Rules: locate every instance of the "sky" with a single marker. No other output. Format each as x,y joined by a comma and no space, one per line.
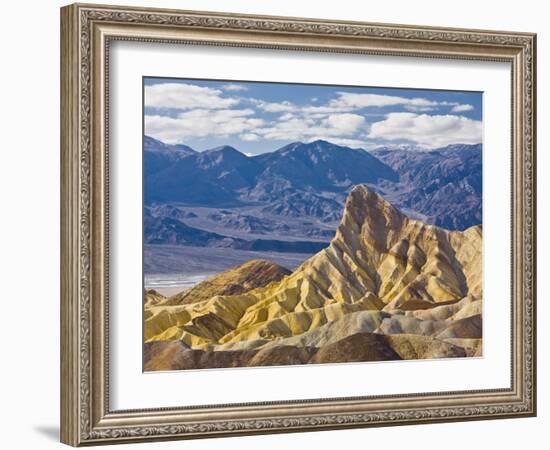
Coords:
259,117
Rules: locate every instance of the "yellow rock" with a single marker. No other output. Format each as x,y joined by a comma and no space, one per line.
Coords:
237,280
378,259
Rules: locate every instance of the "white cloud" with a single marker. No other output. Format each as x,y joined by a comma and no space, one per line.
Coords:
249,137
345,123
413,108
186,96
294,129
335,127
287,116
275,107
201,123
349,102
355,101
429,131
316,115
234,87
323,110
207,112
462,108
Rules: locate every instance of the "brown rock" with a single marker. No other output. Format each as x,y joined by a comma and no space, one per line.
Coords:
410,346
152,297
238,280
357,347
283,355
163,355
471,327
419,275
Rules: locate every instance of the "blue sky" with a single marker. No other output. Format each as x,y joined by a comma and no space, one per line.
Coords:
257,117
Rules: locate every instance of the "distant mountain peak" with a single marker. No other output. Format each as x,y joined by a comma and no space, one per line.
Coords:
441,186
155,146
223,149
461,147
321,142
416,148
149,139
293,144
184,148
402,147
315,146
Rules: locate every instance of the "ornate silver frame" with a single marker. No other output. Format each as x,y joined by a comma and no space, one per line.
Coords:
86,32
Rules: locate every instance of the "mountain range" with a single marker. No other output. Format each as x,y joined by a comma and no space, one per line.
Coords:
386,287
444,185
168,230
263,194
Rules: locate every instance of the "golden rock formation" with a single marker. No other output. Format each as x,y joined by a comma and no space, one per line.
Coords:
250,275
404,276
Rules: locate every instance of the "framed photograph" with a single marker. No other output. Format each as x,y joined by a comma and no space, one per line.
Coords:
278,224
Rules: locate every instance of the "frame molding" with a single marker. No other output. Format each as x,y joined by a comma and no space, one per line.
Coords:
86,32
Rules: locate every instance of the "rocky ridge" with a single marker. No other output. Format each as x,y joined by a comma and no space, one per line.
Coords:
397,286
